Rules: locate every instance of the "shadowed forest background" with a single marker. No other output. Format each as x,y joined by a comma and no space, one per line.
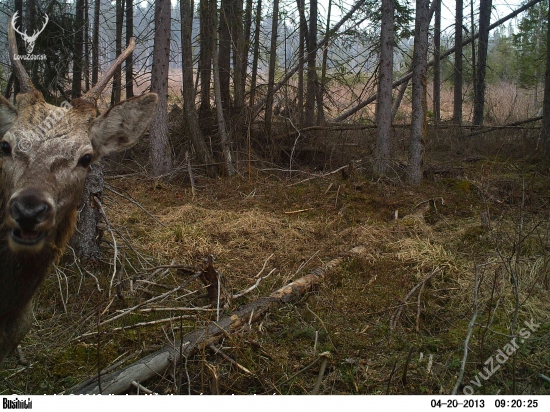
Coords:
391,164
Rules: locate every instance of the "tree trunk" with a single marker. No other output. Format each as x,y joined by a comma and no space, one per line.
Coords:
321,109
271,74
117,78
87,45
239,76
256,54
191,116
95,43
545,132
222,129
207,9
437,63
85,241
420,65
160,153
398,99
247,43
457,102
18,5
78,49
225,53
483,43
129,67
301,60
384,107
311,46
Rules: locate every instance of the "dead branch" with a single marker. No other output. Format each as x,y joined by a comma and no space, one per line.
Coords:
156,363
395,317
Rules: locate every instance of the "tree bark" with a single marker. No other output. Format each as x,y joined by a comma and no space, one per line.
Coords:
420,65
78,49
95,43
160,152
545,131
87,45
207,9
256,54
322,83
483,43
437,63
457,101
129,67
117,78
272,62
384,107
311,46
191,116
85,241
224,54
239,75
301,60
222,128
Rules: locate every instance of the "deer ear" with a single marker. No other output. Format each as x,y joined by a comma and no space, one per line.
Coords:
122,125
8,114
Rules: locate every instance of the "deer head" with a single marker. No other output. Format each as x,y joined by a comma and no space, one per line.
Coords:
47,150
29,40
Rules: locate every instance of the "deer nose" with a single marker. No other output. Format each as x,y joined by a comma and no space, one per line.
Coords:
29,210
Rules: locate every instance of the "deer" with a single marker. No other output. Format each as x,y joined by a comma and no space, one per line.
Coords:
29,40
43,176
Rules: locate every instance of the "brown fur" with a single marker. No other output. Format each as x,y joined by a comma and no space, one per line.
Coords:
45,159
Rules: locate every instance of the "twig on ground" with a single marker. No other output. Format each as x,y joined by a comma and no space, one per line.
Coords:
135,202
468,336
325,356
254,286
218,351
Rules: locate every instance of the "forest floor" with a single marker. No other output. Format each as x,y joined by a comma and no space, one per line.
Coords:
473,238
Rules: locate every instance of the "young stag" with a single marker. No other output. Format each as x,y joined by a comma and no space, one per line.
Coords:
46,153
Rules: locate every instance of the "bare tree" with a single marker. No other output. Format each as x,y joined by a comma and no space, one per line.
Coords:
420,65
272,61
437,62
222,129
206,13
95,42
479,85
224,54
301,60
545,132
457,102
191,116
117,78
160,152
78,48
322,85
255,54
129,68
384,107
311,46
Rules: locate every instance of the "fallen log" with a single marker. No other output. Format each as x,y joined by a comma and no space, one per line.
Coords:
158,362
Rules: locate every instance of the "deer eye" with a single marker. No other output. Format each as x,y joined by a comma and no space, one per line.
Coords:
85,160
6,148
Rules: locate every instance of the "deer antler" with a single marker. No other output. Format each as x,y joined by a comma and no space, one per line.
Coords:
93,94
13,19
24,79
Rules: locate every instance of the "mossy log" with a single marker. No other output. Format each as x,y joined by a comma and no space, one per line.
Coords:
157,363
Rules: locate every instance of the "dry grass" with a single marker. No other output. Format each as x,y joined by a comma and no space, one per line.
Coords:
243,223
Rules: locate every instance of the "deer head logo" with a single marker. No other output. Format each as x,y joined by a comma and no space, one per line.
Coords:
29,40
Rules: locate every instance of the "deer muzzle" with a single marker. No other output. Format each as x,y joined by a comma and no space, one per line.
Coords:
30,215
